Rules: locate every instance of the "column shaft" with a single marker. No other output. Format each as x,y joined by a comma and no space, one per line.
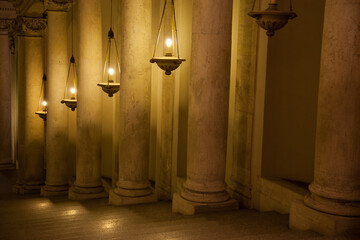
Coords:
31,127
242,125
337,154
5,104
133,185
336,186
56,128
88,144
208,109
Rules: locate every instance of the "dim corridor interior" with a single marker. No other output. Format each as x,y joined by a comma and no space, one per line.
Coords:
33,217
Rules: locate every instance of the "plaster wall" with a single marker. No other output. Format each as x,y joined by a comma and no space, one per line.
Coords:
292,78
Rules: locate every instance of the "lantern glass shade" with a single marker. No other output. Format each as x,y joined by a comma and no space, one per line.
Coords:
70,93
167,40
110,83
42,105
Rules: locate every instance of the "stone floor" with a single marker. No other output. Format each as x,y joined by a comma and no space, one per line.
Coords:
35,218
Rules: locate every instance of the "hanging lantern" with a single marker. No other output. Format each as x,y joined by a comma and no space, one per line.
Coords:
70,99
111,75
171,59
272,19
70,92
42,106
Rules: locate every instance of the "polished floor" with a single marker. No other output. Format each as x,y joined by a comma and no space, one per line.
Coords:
35,218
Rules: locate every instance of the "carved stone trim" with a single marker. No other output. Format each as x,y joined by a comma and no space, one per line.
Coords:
12,45
31,26
5,25
58,5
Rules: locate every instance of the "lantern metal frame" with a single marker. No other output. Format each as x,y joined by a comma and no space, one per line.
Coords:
272,19
42,111
169,62
108,85
72,101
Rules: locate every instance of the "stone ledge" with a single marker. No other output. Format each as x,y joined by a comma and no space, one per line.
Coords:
186,207
118,200
305,218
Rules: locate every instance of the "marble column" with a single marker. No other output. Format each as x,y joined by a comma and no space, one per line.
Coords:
56,123
333,205
133,185
5,98
31,127
165,127
88,183
242,125
205,188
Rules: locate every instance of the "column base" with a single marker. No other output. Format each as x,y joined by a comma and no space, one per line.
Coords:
240,193
7,166
305,218
118,200
26,189
53,191
186,207
81,193
16,188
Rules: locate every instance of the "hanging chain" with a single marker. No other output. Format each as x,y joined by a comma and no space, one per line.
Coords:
72,30
110,13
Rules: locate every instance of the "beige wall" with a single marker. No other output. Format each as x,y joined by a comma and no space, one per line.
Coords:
291,94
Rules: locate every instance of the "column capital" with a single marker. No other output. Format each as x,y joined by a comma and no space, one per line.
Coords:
57,5
8,14
30,26
5,25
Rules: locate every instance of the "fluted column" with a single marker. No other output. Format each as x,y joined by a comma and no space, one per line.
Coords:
333,205
31,127
88,144
5,98
133,185
204,188
56,123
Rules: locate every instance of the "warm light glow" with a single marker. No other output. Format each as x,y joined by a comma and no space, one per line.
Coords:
70,212
43,204
168,42
111,71
44,103
108,224
73,90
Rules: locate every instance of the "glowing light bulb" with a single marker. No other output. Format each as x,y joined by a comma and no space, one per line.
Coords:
111,71
168,42
73,90
44,103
